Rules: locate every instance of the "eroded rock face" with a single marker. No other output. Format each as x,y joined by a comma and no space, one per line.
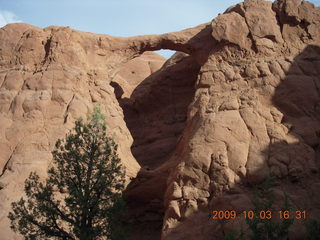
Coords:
50,77
211,123
255,111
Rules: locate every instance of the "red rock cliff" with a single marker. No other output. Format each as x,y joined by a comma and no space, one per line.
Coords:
240,99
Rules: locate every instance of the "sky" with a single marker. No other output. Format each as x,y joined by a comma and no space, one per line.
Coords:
115,17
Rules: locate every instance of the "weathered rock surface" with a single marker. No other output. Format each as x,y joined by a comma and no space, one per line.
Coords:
50,77
255,111
241,101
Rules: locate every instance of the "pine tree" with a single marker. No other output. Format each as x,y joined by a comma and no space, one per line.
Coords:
82,196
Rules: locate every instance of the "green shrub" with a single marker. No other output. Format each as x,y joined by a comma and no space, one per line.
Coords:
265,229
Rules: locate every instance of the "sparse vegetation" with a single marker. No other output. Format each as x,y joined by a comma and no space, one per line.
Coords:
264,200
313,230
233,235
265,229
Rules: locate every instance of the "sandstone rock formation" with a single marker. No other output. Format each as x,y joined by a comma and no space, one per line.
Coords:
255,110
49,78
196,133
